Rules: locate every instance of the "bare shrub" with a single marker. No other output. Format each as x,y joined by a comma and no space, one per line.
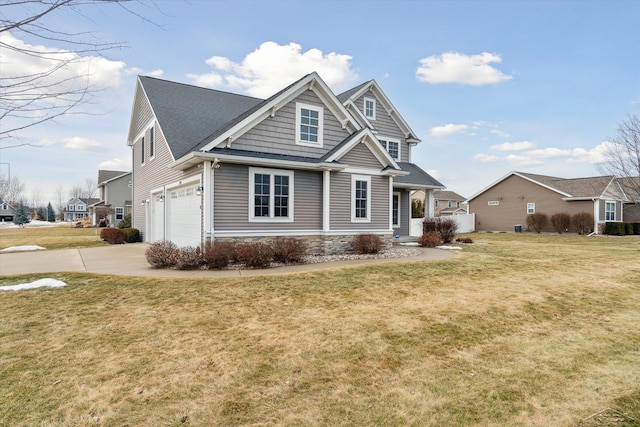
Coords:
218,255
187,258
561,222
537,221
159,254
430,239
464,240
366,244
582,222
113,236
255,254
447,228
288,249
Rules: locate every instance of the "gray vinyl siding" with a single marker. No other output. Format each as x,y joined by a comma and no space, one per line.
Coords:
278,134
153,174
231,201
385,125
143,111
361,156
405,212
341,203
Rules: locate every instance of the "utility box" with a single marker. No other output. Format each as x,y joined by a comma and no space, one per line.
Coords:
518,228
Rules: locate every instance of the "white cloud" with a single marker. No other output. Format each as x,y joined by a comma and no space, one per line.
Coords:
75,73
447,130
485,158
514,146
500,133
453,67
82,144
139,71
117,163
523,160
271,67
593,156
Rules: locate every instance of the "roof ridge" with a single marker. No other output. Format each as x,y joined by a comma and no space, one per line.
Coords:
199,87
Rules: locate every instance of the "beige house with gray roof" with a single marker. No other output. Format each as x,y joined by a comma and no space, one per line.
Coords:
506,203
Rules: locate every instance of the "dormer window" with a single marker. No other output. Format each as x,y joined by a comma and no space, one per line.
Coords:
309,123
370,108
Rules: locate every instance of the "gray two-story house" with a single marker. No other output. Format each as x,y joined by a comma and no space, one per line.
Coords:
115,189
77,208
304,162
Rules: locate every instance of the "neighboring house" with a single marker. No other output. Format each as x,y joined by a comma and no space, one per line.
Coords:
209,164
506,203
77,208
631,188
449,203
115,197
7,211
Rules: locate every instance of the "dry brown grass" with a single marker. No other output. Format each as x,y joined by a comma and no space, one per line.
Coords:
55,237
518,330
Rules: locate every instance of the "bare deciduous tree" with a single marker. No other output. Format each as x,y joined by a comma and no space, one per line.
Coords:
11,190
622,157
59,78
84,191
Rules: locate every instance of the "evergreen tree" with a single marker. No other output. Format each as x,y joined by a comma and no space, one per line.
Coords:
22,216
51,215
41,214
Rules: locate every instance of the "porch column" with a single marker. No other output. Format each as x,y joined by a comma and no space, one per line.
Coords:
428,204
207,199
326,200
596,215
391,203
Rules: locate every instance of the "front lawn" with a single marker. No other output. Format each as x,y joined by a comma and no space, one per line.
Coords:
58,236
539,330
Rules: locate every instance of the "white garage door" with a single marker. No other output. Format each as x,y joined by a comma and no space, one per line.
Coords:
183,216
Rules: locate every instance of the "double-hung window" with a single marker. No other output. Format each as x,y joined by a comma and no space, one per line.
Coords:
270,195
119,213
392,147
370,108
531,208
610,211
309,125
360,198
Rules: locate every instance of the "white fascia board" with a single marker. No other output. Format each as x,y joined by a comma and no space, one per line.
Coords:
361,118
543,185
389,108
416,186
311,82
195,158
367,137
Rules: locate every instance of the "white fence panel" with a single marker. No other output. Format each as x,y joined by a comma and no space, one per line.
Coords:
466,224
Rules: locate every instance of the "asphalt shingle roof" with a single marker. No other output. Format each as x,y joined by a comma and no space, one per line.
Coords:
416,176
189,114
575,187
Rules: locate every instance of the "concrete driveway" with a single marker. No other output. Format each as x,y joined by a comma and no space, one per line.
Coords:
129,260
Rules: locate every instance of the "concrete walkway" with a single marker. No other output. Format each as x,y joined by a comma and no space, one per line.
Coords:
129,260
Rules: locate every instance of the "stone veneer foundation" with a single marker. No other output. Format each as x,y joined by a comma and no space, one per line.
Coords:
317,245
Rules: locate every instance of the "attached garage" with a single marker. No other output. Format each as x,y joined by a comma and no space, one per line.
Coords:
183,215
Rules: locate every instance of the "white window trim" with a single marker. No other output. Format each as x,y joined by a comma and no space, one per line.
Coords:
152,142
397,193
121,212
615,208
531,208
143,152
252,190
355,178
386,146
320,110
364,108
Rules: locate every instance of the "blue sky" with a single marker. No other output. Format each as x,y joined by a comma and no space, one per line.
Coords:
489,87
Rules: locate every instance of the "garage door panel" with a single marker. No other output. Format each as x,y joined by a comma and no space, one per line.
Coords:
183,216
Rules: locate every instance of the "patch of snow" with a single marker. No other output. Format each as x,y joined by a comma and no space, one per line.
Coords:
409,244
22,248
452,248
42,283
